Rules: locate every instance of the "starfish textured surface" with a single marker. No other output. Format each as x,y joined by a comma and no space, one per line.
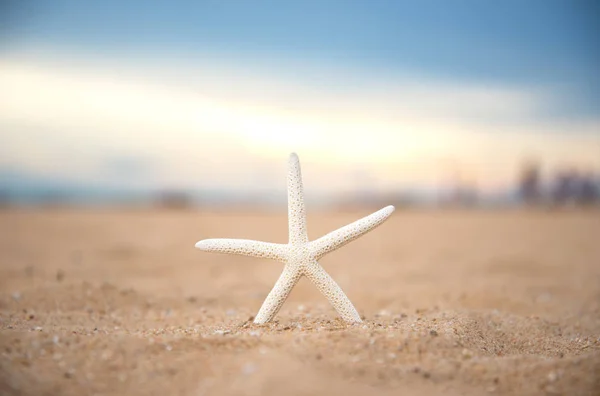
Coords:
299,255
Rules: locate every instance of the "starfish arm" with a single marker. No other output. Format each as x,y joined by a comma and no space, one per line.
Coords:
346,234
284,285
330,289
245,247
296,209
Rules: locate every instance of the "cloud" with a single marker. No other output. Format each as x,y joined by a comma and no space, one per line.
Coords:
201,121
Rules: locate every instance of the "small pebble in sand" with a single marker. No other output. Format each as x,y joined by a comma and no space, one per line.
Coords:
255,333
60,275
552,376
249,368
16,296
433,333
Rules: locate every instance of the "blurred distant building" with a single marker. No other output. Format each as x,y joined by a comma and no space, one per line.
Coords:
173,200
563,190
571,187
530,183
588,189
462,193
464,196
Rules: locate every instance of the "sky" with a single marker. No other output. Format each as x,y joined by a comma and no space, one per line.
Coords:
375,95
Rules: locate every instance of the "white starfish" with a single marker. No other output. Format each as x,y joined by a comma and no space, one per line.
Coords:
299,255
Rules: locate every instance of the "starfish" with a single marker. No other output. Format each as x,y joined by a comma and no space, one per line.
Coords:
299,255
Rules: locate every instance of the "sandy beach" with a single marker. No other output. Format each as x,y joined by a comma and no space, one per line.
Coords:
119,302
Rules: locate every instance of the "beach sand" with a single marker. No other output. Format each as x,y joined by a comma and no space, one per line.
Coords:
119,302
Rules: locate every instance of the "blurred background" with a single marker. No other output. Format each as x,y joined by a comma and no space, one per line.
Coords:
199,103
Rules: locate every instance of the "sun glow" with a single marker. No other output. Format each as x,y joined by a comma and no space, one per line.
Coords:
400,134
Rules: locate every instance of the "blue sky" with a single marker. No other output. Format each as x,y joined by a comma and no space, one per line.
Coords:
537,55
530,42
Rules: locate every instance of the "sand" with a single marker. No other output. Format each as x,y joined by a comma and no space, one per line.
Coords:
118,302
